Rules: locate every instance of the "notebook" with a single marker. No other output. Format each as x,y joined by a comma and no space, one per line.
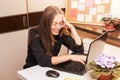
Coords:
95,49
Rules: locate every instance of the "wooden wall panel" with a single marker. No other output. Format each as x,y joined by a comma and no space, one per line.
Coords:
13,23
19,22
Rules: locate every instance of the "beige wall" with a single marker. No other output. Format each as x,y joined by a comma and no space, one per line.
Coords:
12,7
13,49
39,5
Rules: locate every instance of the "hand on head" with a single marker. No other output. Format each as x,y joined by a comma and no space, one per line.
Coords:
67,24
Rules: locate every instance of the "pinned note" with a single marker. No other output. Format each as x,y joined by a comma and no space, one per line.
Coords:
100,8
80,17
92,11
74,4
74,13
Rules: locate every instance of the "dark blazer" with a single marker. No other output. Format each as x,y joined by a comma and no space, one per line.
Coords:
36,54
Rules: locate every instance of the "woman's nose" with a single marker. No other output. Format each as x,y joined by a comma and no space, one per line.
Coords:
58,26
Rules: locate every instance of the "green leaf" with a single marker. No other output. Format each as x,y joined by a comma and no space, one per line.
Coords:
92,66
88,67
107,73
118,68
95,74
116,73
117,63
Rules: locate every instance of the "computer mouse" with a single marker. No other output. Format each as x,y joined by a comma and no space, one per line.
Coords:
52,73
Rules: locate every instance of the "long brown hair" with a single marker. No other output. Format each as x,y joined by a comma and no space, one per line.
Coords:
45,27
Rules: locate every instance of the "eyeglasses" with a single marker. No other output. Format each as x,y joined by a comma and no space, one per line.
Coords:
60,24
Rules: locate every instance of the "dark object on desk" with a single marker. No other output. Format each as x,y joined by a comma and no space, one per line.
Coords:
52,73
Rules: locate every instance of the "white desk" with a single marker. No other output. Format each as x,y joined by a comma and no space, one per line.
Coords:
39,73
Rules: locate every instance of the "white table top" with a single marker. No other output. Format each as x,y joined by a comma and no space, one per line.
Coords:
39,73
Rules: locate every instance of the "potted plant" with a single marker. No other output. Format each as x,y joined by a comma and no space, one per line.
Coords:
110,23
104,67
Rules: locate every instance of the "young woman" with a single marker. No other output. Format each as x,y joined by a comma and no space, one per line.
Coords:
52,32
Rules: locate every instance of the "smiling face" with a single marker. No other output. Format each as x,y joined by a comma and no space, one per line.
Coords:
57,24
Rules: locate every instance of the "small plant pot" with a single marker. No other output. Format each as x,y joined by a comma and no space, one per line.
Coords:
105,77
109,27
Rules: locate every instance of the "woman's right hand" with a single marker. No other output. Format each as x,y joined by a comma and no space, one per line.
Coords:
79,58
67,24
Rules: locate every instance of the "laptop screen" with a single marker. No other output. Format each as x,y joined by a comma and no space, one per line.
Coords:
96,47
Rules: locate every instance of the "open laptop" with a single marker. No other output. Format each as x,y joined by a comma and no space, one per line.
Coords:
95,49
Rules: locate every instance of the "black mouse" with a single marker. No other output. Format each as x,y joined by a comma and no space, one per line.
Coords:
52,73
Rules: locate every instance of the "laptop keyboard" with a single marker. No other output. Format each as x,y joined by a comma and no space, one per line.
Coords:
71,67
75,67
